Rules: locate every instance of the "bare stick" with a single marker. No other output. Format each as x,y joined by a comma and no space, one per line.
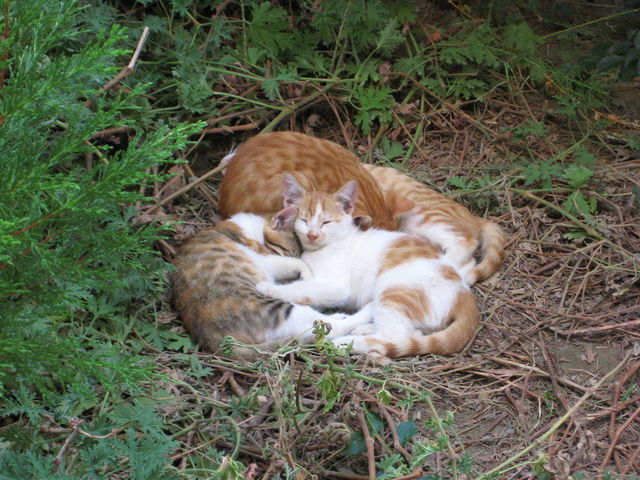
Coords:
63,449
184,189
614,434
128,70
368,440
136,53
296,106
615,439
394,431
231,129
630,323
590,231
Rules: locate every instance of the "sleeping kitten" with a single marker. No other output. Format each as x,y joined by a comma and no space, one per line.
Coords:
253,178
420,302
216,274
448,224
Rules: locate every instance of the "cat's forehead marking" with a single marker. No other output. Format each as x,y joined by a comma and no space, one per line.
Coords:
318,213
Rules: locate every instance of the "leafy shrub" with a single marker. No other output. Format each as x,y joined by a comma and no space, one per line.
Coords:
70,253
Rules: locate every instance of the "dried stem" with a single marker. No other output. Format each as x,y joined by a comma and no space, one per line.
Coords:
126,71
184,189
368,441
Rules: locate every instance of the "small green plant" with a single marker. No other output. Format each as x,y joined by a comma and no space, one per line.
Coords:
574,176
470,187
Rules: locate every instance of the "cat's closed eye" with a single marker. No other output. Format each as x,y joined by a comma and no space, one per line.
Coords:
327,221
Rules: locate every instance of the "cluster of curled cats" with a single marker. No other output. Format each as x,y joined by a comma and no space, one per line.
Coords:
310,229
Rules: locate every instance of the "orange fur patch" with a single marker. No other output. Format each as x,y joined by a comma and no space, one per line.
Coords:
406,249
413,303
433,208
449,274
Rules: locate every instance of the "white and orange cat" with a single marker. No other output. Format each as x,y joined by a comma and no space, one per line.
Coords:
448,224
420,302
393,200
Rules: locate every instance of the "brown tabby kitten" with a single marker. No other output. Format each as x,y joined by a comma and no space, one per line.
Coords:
254,176
448,224
216,274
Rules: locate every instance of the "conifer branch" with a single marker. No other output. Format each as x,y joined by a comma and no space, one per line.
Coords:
5,55
5,36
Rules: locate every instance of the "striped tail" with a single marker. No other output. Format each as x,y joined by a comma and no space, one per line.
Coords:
453,338
492,240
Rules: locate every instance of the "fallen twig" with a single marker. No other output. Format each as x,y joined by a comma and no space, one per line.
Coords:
183,190
126,71
589,230
604,328
368,441
614,441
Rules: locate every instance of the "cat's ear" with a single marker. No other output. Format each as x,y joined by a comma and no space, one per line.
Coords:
283,220
292,191
347,195
363,222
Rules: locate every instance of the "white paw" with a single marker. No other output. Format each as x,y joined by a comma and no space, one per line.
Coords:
266,288
366,329
305,271
343,341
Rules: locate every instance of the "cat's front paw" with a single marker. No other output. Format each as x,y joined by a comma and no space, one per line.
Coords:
366,329
267,289
294,269
305,272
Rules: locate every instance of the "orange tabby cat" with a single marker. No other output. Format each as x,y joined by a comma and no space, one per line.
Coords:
448,224
254,176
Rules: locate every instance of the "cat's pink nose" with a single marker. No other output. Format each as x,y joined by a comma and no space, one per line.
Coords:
312,236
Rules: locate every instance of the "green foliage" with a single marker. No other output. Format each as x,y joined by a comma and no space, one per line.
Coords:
576,176
72,256
373,103
406,431
529,127
366,52
472,188
623,56
462,58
